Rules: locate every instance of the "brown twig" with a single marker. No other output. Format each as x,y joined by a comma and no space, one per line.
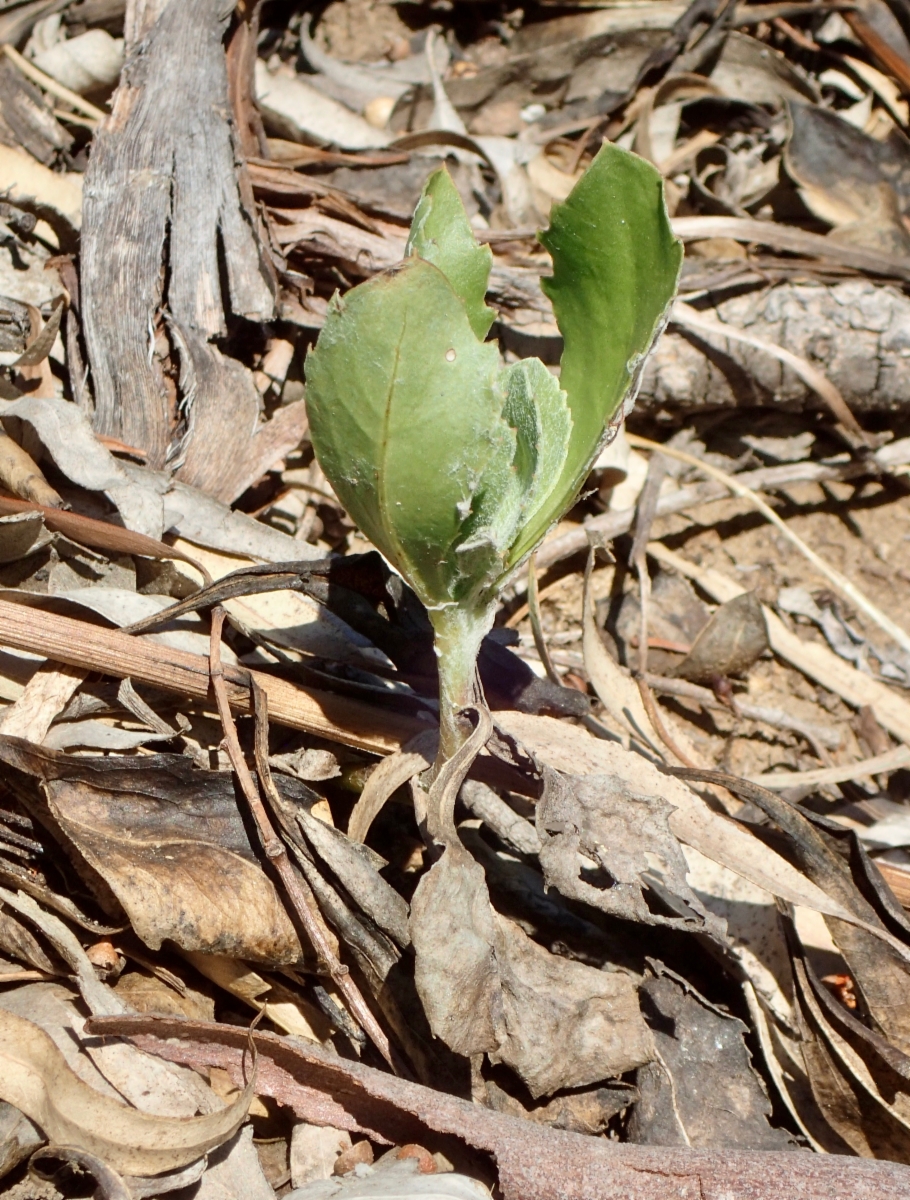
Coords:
893,62
298,892
660,729
540,642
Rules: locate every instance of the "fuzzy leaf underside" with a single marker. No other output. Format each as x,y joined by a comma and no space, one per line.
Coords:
616,265
441,234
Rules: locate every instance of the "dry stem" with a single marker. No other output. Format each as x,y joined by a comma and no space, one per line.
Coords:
298,891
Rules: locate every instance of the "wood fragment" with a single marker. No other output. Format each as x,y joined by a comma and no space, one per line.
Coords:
163,179
94,648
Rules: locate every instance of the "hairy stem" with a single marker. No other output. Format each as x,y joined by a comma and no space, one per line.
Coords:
459,633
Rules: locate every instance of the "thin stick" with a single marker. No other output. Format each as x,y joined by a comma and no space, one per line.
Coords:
612,524
824,735
536,628
893,760
660,729
298,892
30,71
847,589
647,509
320,936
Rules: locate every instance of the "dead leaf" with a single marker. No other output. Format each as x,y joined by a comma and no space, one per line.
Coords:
859,185
453,934
170,843
701,1090
567,1024
729,644
605,845
37,1080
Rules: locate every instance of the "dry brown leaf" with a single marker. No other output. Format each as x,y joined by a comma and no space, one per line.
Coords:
171,845
818,662
453,933
567,1024
569,749
701,1090
35,1077
729,644
603,843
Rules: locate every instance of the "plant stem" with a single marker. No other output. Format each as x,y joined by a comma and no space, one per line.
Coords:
459,633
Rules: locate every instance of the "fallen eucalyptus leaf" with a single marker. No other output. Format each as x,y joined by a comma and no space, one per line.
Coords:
170,843
35,1078
357,867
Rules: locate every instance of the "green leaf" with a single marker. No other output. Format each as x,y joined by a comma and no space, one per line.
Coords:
615,269
452,467
406,418
441,234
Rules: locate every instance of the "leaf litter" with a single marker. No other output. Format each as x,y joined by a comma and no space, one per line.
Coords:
664,908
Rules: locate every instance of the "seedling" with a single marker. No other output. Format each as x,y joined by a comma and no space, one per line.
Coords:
452,464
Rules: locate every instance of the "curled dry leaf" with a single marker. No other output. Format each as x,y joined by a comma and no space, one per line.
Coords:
453,934
567,1024
692,822
556,1022
729,644
35,1077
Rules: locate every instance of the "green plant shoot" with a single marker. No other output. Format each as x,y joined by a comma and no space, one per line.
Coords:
453,465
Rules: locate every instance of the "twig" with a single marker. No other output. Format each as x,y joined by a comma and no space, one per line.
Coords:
298,892
647,700
536,627
112,652
892,761
647,510
793,240
30,71
815,733
644,519
612,524
847,589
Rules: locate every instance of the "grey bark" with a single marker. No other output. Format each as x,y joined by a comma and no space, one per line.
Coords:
168,249
856,331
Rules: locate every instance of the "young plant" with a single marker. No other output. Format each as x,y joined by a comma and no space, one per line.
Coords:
453,465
